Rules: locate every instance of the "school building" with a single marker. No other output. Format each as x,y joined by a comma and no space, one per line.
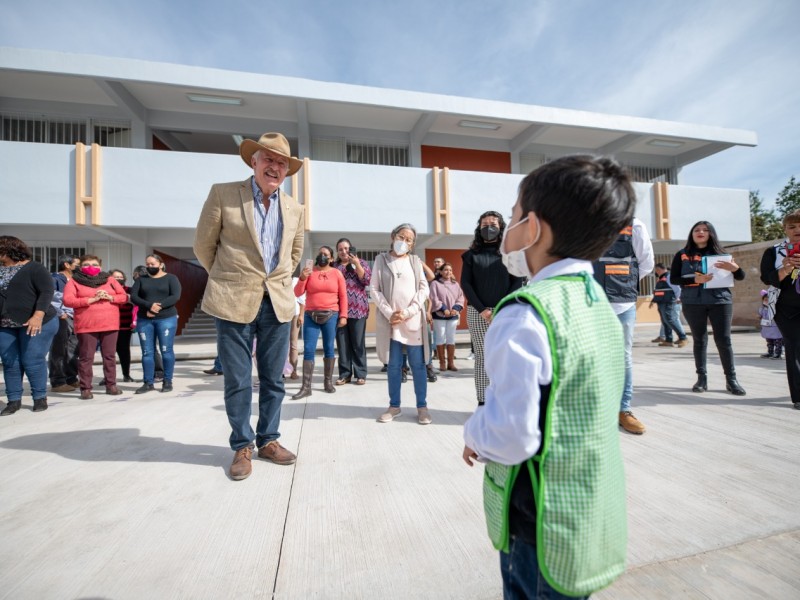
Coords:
115,157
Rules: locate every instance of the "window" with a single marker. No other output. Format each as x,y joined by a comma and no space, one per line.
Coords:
48,255
374,154
651,174
364,153
63,130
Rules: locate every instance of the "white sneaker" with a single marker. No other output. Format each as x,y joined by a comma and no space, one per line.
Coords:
423,416
471,356
389,414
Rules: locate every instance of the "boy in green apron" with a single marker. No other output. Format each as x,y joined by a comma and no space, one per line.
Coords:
554,488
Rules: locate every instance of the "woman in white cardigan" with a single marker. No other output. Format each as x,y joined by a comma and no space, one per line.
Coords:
399,289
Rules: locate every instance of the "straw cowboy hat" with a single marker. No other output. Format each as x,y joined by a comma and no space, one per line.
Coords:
274,142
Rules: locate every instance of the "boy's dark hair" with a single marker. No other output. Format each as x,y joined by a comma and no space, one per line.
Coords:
713,240
586,201
65,259
660,266
140,271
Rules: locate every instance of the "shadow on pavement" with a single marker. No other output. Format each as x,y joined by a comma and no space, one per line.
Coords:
124,445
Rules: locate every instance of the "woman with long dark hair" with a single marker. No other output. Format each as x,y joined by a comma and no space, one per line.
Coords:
778,264
350,339
485,281
157,318
702,304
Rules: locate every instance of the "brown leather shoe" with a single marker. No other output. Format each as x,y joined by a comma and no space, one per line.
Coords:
242,464
276,453
62,389
113,390
630,423
86,395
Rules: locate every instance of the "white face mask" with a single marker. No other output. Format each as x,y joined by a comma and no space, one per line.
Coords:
515,260
400,247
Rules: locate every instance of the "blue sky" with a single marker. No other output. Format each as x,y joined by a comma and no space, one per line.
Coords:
730,63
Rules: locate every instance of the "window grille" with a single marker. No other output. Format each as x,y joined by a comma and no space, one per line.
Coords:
48,255
651,174
21,127
374,154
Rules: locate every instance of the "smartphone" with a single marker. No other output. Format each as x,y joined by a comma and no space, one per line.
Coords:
353,251
309,264
792,249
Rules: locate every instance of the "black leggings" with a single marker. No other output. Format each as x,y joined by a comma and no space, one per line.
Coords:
790,330
124,351
720,315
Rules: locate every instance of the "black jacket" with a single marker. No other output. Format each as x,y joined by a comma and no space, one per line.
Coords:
686,263
31,289
789,300
485,280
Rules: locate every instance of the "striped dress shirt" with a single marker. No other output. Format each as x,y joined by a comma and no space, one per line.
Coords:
269,226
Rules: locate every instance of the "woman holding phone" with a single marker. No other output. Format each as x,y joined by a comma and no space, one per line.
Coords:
350,339
779,269
326,308
702,304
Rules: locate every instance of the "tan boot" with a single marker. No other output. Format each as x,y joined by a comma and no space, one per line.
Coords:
451,356
305,386
440,354
328,374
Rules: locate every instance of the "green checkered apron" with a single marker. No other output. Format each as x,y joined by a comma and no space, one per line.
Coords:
577,475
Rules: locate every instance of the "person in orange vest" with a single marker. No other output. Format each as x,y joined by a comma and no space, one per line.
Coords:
618,272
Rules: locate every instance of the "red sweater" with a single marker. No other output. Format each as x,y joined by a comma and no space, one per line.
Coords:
99,316
324,290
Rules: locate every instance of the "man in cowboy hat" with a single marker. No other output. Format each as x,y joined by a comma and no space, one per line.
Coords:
250,239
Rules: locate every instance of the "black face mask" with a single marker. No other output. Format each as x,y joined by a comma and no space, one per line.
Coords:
153,270
490,233
322,260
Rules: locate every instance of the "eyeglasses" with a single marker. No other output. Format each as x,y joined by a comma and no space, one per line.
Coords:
407,240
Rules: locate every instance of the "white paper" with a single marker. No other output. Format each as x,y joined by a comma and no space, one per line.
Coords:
722,278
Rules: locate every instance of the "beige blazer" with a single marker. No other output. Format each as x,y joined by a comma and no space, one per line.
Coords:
226,244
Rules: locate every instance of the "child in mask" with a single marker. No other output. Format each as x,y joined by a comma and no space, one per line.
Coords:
769,330
555,360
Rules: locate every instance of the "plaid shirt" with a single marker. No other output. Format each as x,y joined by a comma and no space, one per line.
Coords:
357,294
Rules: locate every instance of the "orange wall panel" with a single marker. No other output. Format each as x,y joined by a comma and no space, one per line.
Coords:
465,159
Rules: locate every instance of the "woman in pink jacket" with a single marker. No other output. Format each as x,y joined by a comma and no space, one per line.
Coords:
95,296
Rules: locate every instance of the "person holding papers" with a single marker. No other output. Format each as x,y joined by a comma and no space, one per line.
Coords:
706,274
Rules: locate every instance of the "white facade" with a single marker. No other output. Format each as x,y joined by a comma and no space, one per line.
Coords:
151,199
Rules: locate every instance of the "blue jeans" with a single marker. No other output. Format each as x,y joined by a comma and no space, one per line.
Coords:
164,330
217,364
627,319
522,578
20,353
235,343
416,359
311,331
671,321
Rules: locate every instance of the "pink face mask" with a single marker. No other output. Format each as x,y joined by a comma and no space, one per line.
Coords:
90,270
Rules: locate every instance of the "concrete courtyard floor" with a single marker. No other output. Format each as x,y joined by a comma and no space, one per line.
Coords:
128,497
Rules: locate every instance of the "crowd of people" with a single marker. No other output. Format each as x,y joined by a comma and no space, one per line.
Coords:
52,325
